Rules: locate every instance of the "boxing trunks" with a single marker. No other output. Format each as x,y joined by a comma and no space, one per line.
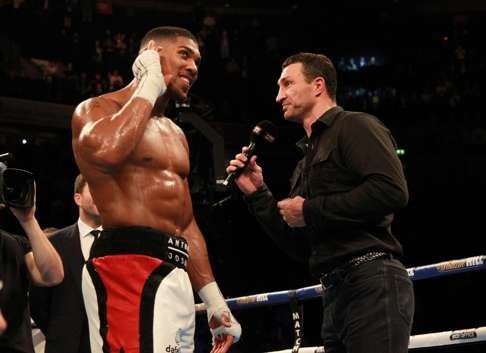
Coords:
137,293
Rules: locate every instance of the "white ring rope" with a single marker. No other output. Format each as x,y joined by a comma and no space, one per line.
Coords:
416,273
437,339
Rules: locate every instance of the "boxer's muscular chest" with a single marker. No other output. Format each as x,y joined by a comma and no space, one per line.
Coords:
163,147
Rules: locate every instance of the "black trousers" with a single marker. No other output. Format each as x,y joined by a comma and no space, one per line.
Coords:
369,310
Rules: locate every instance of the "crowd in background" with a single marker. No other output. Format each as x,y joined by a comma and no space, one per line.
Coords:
65,56
422,76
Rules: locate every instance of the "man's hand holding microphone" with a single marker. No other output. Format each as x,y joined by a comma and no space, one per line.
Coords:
248,176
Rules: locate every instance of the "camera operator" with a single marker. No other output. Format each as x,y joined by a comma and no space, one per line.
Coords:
3,323
23,262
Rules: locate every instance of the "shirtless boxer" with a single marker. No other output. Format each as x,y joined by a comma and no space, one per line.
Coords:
136,290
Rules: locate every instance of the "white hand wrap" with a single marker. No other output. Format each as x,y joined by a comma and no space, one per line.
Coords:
148,72
216,306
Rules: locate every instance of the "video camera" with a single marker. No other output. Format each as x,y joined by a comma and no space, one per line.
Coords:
16,185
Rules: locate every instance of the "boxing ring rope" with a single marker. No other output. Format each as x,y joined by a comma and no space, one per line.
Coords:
436,339
415,273
445,338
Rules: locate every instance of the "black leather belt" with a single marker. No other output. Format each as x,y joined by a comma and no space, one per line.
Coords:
338,273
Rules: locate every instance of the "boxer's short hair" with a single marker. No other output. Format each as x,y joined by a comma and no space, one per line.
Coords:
166,32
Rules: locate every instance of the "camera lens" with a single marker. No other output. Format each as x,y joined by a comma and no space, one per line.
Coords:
18,188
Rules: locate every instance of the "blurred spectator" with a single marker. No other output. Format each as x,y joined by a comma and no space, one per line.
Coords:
59,311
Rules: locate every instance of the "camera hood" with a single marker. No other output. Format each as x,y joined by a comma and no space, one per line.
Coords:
17,188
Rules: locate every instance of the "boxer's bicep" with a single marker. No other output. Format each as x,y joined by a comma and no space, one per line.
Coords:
85,137
85,118
105,135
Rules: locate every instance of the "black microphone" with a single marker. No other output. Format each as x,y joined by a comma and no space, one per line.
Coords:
264,130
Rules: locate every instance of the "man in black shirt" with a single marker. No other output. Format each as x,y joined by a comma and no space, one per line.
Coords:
343,195
23,262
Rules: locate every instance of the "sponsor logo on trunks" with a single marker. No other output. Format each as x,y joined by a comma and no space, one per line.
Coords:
181,244
464,335
177,347
178,259
177,251
172,349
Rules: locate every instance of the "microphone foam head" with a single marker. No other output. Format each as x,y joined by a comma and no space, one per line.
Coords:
265,129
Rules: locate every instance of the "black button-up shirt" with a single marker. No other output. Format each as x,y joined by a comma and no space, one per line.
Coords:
352,181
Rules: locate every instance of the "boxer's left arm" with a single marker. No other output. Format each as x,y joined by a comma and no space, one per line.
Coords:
224,327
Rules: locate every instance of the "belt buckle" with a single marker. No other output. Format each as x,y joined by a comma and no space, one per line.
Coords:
331,278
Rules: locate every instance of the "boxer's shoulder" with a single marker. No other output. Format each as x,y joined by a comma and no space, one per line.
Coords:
95,107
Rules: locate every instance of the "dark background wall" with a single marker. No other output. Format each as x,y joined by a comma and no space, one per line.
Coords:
419,67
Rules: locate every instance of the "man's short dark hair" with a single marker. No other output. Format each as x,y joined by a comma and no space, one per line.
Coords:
79,184
316,65
166,32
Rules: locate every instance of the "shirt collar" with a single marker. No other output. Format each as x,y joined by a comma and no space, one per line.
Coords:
85,229
330,115
324,121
